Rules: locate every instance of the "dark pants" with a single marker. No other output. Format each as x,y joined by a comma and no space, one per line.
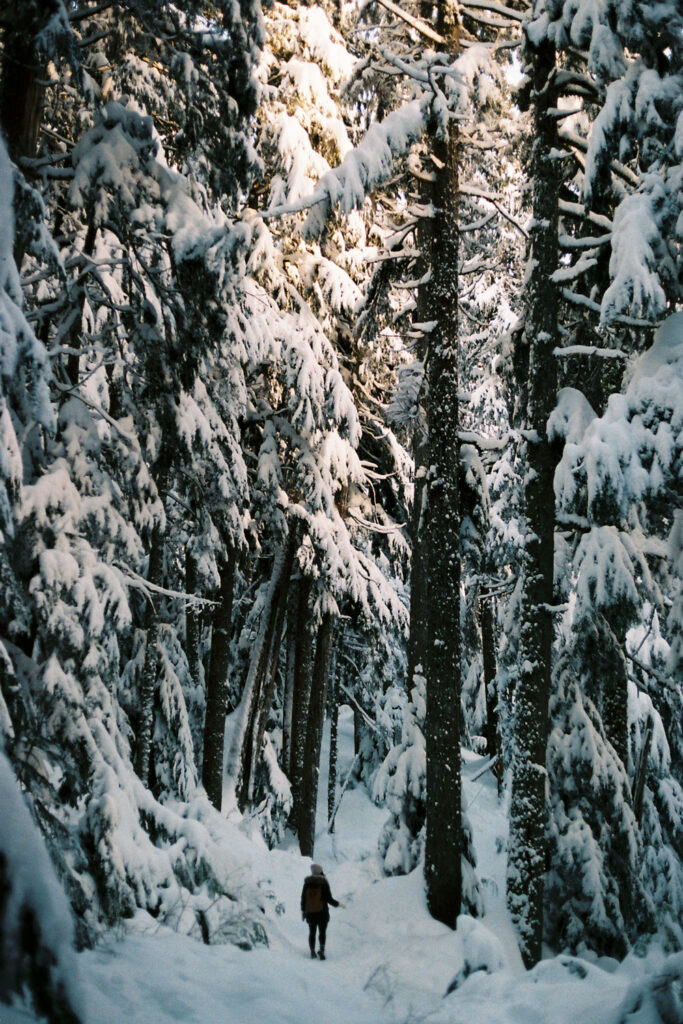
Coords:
317,922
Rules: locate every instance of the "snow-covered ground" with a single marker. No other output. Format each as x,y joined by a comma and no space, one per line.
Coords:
388,961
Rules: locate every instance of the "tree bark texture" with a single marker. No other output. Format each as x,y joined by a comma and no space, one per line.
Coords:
193,623
528,813
333,705
488,652
290,670
314,732
443,843
217,685
418,571
303,665
143,741
417,636
22,87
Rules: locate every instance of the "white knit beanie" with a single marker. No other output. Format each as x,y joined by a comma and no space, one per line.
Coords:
316,869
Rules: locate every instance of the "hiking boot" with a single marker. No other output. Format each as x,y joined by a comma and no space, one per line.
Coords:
321,954
312,954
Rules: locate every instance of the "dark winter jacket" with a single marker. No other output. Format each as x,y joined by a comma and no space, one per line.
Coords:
316,897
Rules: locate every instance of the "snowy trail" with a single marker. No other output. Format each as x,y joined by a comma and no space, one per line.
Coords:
389,962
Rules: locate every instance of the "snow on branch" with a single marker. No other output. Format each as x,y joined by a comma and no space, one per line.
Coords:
583,300
362,169
473,190
494,7
621,170
135,580
419,26
590,350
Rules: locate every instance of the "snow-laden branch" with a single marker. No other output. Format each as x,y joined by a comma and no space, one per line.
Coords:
96,407
666,682
133,579
623,172
494,7
590,350
595,307
580,211
485,444
375,527
479,193
362,169
584,242
419,26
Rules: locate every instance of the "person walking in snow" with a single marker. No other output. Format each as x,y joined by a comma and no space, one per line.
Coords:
316,899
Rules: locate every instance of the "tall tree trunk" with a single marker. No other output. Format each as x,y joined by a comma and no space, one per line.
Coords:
488,652
357,733
418,570
193,619
217,685
270,682
314,732
303,664
290,672
143,742
528,812
240,750
333,704
417,635
22,88
443,843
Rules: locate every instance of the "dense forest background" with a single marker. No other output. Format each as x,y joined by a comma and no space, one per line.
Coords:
340,364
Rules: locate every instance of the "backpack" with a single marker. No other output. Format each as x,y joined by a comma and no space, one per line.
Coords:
313,899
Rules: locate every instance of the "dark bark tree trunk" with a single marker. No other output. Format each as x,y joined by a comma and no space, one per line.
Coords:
417,635
217,685
314,732
488,651
290,672
418,570
22,88
303,665
528,812
357,732
443,843
333,711
193,620
143,741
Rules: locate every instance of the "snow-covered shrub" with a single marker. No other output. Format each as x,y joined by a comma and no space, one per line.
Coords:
593,893
482,951
400,784
379,726
661,812
37,961
616,478
272,795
